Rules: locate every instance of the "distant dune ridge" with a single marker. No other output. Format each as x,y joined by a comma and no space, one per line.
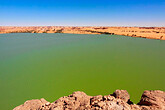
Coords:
143,32
119,100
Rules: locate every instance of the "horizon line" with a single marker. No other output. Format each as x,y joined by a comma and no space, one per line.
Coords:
75,26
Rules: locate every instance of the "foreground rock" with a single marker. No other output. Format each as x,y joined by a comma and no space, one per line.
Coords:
32,104
119,100
154,100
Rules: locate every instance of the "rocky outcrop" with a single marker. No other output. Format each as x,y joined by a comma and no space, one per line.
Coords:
154,100
119,100
32,104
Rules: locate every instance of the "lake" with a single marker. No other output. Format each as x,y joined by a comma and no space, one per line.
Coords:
34,66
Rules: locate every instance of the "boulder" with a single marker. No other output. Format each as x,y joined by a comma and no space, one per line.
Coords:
154,99
121,94
31,104
119,100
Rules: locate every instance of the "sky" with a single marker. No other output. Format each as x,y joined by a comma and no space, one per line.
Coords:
82,13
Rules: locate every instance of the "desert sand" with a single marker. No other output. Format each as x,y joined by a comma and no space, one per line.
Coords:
143,32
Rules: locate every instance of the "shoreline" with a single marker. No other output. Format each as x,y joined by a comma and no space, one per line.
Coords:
142,32
118,100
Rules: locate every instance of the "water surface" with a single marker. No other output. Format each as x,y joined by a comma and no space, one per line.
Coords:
33,66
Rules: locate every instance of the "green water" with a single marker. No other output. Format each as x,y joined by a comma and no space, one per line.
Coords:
33,66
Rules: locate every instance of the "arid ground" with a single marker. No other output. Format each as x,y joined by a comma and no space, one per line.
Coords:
143,32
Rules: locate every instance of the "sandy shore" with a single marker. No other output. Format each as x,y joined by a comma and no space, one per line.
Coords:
119,100
143,32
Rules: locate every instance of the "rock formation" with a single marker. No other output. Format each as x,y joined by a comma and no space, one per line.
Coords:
32,104
119,100
154,100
